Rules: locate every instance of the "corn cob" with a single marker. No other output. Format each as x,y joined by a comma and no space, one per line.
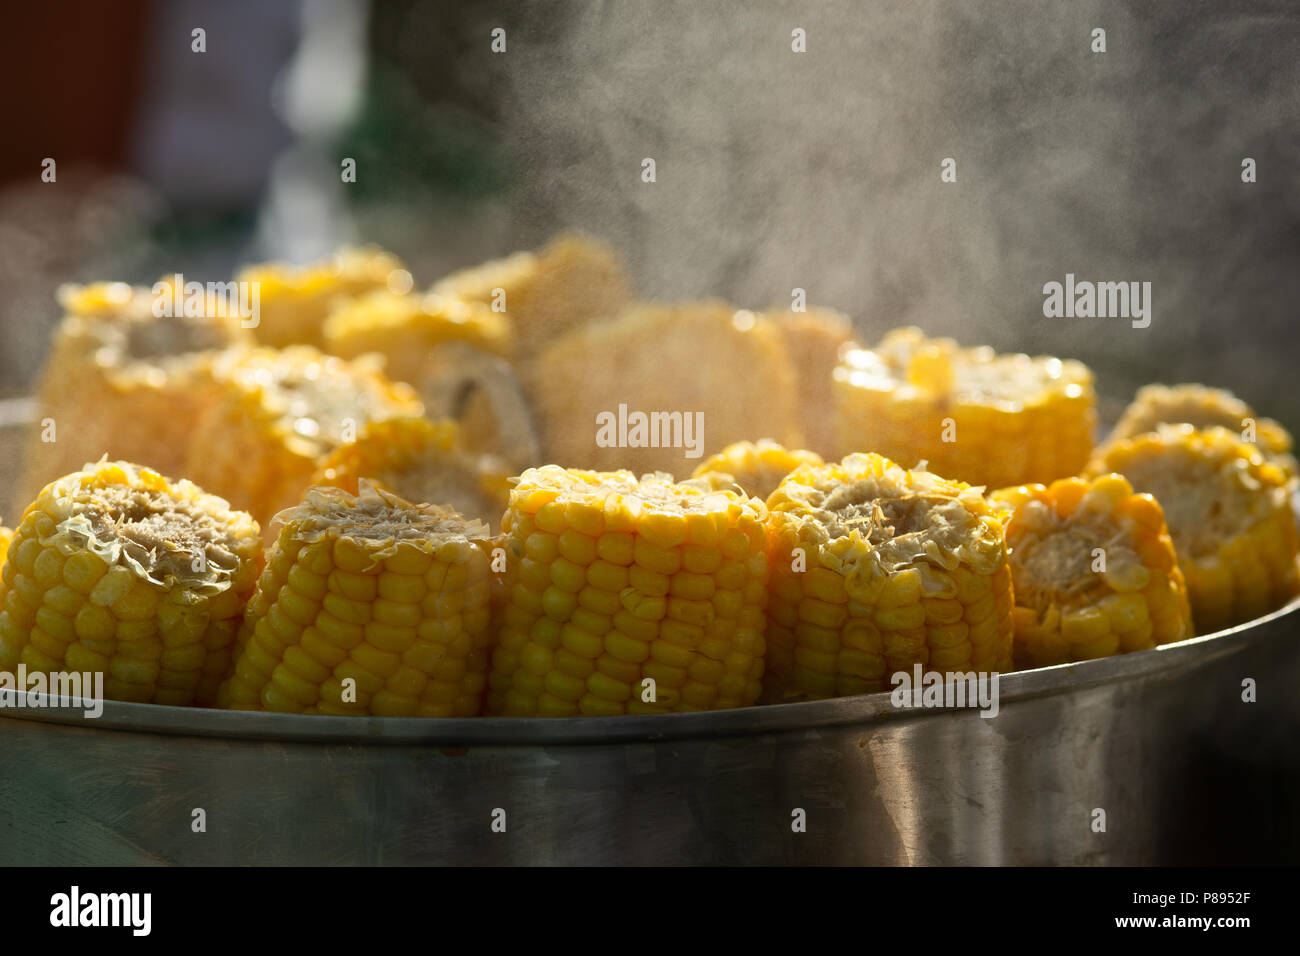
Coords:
123,382
1229,514
279,413
813,340
894,568
987,419
1093,569
6,535
116,570
368,605
420,461
649,361
1203,407
628,597
755,468
408,330
570,282
294,302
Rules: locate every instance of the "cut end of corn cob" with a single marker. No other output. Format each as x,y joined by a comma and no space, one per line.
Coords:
1094,571
1203,407
988,419
369,605
278,413
420,461
295,301
124,382
628,596
655,360
754,467
1229,513
407,330
114,569
876,569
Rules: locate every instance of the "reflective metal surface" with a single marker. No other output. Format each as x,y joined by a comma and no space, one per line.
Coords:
1161,741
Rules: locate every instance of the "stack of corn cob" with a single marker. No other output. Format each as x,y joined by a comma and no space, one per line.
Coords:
768,572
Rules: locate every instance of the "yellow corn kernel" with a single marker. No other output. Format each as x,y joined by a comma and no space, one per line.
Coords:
622,365
1203,407
1229,510
124,381
978,417
646,633
401,627
755,467
295,302
1092,563
114,564
921,573
277,416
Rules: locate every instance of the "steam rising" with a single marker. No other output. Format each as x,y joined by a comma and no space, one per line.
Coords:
820,170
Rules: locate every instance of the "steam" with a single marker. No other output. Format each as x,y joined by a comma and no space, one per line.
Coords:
821,170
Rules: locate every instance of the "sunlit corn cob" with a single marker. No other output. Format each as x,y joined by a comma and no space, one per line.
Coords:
114,569
1229,513
277,415
408,330
1203,407
987,419
6,535
665,360
813,340
757,468
123,382
295,301
573,280
628,597
368,605
420,461
1094,571
876,569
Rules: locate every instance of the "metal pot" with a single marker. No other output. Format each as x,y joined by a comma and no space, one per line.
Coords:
1157,747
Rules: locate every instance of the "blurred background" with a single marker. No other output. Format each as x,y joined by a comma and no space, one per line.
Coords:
775,169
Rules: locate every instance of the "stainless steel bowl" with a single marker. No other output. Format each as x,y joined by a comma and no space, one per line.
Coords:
1160,741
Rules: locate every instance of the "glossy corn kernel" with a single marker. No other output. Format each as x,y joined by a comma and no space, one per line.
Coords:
295,301
755,467
628,597
875,570
982,418
1203,407
648,362
6,535
277,415
123,382
114,569
1229,513
420,461
813,341
368,605
1094,571
572,281
409,330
